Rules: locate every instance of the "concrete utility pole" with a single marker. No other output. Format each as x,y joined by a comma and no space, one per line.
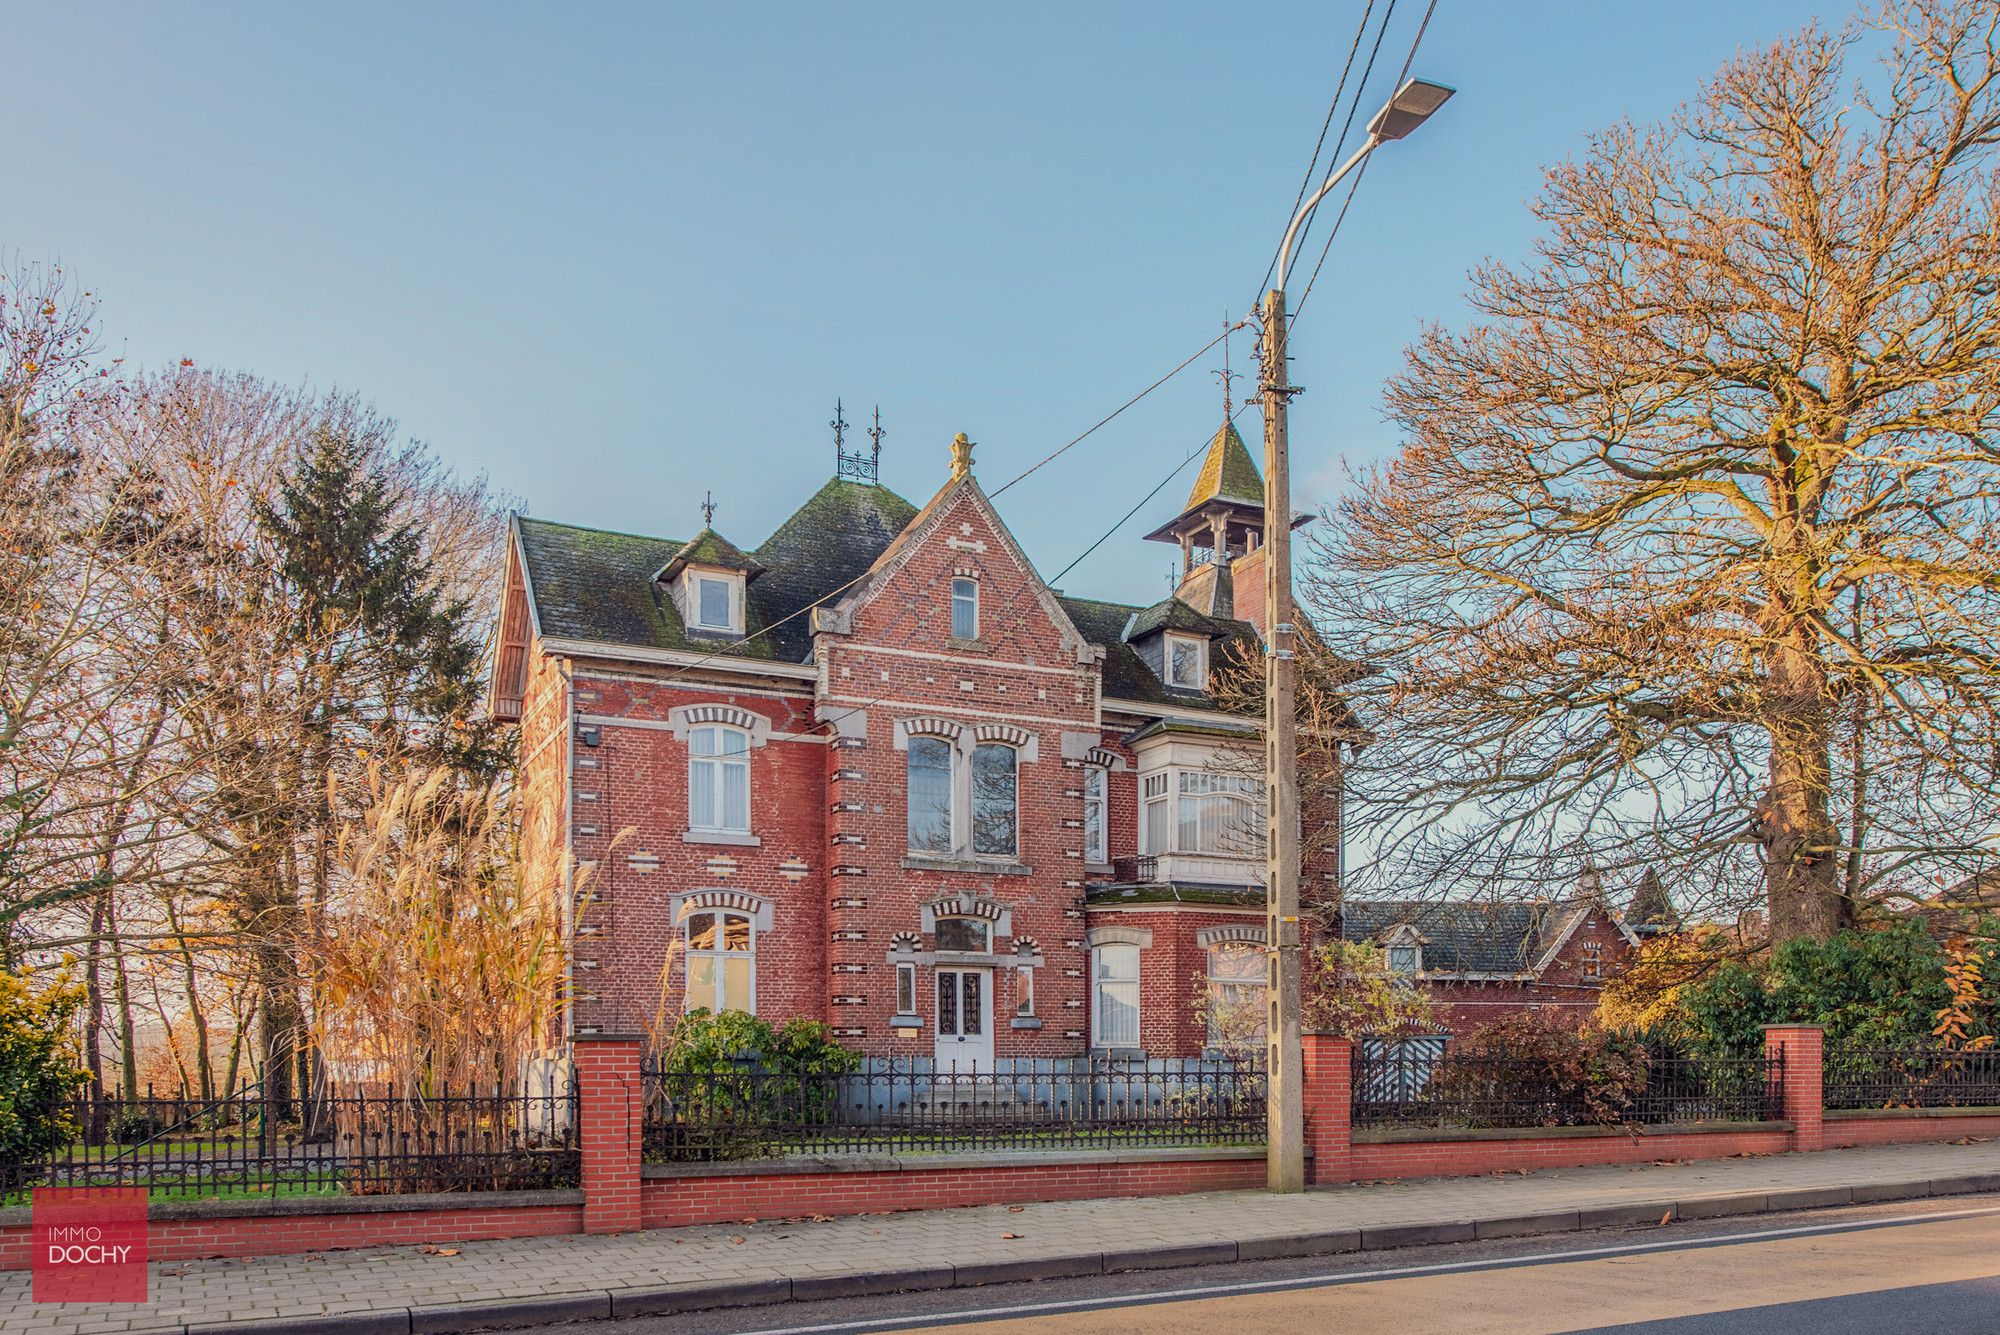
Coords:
1286,1152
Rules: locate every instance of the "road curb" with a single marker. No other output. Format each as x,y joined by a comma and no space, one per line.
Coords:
551,1308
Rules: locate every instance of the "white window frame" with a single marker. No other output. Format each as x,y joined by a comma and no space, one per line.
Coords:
952,767
971,597
1200,646
1098,984
906,988
964,834
721,957
1096,794
1156,795
1394,949
731,580
1197,789
715,765
1593,960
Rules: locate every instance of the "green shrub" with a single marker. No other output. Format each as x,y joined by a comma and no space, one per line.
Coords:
734,1083
38,1066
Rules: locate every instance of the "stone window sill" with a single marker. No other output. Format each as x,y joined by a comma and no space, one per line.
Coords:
1027,1022
906,1022
976,866
721,837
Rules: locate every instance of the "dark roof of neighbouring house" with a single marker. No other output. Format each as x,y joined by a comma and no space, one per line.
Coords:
592,584
1173,614
1464,937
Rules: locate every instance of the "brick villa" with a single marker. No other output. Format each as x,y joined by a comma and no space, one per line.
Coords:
876,772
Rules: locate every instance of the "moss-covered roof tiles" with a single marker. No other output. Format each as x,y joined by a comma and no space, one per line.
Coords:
1227,474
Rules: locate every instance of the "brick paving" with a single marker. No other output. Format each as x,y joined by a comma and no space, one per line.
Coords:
374,1279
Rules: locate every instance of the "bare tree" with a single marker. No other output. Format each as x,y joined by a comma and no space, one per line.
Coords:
1690,557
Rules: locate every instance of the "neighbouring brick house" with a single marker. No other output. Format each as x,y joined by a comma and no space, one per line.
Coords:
875,772
1483,960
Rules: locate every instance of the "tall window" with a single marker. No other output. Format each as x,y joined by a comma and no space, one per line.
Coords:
1220,813
1114,996
1096,842
965,609
995,812
1237,979
721,963
1156,822
930,794
1593,959
719,780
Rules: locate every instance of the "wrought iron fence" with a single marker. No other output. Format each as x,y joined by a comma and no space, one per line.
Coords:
904,1105
1919,1077
363,1140
1431,1083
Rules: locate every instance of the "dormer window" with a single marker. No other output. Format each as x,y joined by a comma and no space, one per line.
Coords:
714,601
1404,961
965,609
1187,662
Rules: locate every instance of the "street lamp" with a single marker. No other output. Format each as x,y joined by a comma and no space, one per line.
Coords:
1286,1157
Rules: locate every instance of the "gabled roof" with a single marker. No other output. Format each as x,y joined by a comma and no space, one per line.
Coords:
1173,614
1465,937
1227,474
710,548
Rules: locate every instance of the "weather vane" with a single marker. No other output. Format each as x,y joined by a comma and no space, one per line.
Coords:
839,425
708,510
875,434
1225,375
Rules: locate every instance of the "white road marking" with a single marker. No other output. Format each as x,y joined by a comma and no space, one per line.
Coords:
1356,1276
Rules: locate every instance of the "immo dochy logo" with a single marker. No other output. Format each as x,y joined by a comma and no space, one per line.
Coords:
90,1244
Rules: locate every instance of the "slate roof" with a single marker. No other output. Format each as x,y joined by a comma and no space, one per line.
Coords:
710,548
1173,614
1463,937
1125,674
1227,474
591,584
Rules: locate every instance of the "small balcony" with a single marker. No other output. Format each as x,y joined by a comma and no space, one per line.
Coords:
1191,868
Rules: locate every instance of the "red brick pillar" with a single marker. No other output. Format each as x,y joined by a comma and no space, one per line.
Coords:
1329,1098
1800,1046
609,1102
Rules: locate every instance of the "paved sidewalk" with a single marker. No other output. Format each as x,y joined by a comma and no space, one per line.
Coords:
526,1281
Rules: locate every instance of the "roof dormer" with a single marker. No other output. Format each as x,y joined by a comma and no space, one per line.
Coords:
1175,641
708,581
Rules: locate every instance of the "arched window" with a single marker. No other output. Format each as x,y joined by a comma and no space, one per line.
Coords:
721,962
930,795
719,780
965,609
1237,981
995,811
963,936
1096,835
1114,995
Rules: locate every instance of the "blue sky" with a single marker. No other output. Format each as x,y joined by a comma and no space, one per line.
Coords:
618,256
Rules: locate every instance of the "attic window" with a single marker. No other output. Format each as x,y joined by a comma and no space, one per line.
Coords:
965,609
714,601
1187,662
1404,961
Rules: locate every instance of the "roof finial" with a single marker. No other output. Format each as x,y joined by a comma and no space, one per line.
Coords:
708,510
858,466
875,434
1225,375
961,456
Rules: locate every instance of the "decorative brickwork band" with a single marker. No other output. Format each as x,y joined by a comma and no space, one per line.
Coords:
1329,1099
1800,1047
608,1113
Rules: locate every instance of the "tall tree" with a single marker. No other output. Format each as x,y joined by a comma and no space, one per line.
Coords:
1706,492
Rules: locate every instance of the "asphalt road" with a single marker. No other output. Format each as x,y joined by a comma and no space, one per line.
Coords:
1878,1269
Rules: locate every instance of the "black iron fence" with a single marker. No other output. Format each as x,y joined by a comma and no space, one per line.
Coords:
1431,1083
363,1140
1920,1077
905,1105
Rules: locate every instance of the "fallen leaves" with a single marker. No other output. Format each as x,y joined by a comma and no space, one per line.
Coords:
1009,1237
429,1250
1666,1218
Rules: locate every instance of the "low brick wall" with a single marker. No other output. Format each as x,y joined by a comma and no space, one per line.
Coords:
187,1230
1391,1153
1895,1126
715,1193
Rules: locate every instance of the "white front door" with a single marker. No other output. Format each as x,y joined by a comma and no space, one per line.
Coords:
965,1019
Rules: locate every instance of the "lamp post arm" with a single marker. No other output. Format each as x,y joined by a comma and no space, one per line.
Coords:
1298,221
